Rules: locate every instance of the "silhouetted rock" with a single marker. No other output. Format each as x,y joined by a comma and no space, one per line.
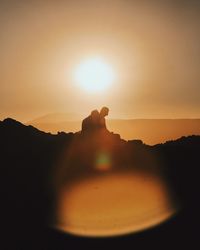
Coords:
136,142
30,156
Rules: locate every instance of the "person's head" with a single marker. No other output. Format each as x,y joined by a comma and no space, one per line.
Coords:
95,114
104,111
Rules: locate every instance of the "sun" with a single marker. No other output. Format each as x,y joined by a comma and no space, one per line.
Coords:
94,75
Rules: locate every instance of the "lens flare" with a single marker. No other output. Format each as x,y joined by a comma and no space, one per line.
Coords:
103,161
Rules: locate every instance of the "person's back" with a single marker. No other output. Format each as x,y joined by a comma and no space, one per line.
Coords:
86,125
90,123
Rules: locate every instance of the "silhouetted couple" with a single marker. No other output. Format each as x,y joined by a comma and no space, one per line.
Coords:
95,121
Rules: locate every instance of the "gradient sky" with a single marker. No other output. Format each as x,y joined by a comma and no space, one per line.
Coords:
154,47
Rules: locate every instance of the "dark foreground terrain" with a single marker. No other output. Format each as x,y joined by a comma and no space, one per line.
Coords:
30,162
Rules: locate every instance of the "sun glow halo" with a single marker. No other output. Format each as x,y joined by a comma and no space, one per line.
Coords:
94,75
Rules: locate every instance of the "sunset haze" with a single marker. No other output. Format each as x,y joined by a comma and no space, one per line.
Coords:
152,46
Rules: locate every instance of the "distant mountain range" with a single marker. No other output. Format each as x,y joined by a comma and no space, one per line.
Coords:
56,117
151,131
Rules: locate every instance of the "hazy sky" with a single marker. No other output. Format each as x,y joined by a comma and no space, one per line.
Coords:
153,46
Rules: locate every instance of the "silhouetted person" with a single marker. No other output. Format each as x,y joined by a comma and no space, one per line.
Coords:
91,123
102,121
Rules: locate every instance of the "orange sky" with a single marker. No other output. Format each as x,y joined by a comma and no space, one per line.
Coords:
154,47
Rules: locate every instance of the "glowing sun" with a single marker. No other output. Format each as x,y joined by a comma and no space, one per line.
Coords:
94,75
